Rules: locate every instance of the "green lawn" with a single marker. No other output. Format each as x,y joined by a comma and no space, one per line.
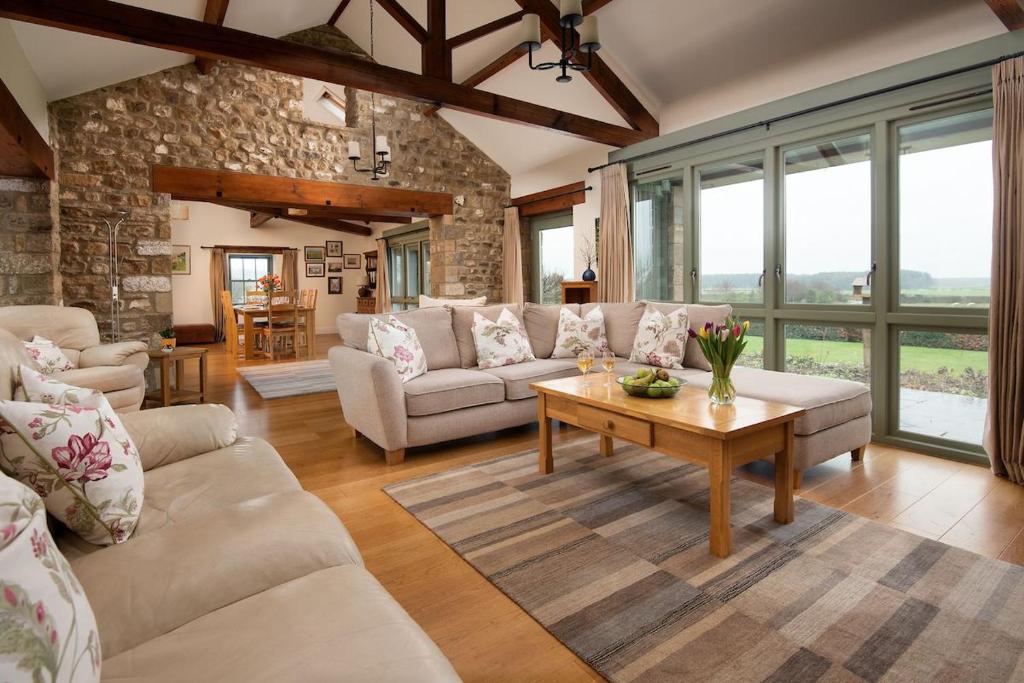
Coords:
918,358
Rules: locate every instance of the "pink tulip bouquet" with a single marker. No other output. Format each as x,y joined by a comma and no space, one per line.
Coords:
722,346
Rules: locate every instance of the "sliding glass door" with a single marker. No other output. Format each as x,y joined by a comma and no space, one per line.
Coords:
409,268
554,256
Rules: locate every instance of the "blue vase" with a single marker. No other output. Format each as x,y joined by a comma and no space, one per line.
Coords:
589,275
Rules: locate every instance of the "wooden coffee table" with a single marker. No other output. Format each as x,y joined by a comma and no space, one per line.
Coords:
687,427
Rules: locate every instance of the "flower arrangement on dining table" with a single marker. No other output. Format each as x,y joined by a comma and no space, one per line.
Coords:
722,346
269,284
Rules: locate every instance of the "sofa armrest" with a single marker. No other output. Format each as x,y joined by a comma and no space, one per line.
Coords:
372,397
121,353
167,435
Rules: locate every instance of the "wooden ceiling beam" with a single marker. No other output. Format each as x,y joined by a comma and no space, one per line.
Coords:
258,218
132,24
327,223
1009,12
590,6
485,30
437,56
216,10
404,19
548,201
337,12
23,151
511,56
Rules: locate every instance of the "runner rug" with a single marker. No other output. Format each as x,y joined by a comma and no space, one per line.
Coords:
290,379
610,555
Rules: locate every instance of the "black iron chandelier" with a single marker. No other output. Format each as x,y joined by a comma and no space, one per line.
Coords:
380,159
584,41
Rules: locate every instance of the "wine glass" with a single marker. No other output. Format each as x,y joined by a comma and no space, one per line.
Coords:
585,361
608,363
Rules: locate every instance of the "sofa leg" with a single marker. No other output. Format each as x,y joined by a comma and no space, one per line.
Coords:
395,457
797,478
856,454
356,434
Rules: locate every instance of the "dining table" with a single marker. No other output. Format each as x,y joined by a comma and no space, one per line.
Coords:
252,312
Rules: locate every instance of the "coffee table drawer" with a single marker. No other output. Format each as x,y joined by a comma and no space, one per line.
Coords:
613,424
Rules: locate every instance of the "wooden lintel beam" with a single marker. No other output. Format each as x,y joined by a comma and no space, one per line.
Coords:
337,12
1009,12
548,201
485,30
215,12
23,151
258,218
327,223
437,56
404,19
132,24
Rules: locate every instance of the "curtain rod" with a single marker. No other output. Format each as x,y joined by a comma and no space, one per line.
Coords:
767,123
588,188
252,248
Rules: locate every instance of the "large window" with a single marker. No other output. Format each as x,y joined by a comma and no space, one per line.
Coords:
658,228
243,272
409,268
554,256
731,215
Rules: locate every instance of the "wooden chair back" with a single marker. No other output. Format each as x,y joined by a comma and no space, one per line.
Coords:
255,296
283,312
230,322
307,299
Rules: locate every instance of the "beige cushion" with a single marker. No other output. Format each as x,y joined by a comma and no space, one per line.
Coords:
431,302
542,326
517,378
440,391
103,378
697,315
462,323
67,327
178,574
126,400
12,357
433,327
337,624
829,402
621,321
110,354
167,435
470,422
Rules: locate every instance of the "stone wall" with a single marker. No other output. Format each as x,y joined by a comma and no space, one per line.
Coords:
247,119
28,242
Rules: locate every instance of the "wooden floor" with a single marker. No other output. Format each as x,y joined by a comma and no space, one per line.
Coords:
484,634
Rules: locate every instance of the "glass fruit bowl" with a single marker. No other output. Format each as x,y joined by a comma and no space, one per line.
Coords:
649,391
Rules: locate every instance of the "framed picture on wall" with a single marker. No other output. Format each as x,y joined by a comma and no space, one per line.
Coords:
335,249
315,253
334,285
353,261
314,270
335,266
181,259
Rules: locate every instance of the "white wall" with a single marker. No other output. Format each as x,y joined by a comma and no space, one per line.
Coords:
21,80
210,225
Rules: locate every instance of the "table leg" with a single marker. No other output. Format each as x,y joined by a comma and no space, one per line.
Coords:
179,374
247,328
545,460
202,378
165,381
720,472
310,332
784,479
607,445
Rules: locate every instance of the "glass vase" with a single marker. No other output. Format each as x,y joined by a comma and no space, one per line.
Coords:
721,392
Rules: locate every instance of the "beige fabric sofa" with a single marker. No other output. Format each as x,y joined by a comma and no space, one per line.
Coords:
234,573
455,399
115,369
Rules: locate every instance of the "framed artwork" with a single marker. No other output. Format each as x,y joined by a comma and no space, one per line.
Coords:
314,270
353,261
334,285
315,253
335,249
335,266
181,259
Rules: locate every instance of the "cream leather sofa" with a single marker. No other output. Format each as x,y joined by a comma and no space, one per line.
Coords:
115,369
455,399
234,572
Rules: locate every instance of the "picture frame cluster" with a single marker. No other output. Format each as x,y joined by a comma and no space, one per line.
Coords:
330,258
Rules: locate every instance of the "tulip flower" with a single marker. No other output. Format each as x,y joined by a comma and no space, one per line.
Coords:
692,333
736,330
746,325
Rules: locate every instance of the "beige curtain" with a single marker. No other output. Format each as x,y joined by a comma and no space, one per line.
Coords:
512,259
218,281
615,252
383,304
1004,429
290,270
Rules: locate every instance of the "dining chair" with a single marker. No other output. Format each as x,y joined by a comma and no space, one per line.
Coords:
233,338
282,325
307,304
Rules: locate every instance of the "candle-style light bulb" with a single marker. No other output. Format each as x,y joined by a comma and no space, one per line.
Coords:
529,32
589,39
571,12
353,150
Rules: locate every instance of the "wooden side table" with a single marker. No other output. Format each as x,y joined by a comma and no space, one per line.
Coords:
168,396
579,291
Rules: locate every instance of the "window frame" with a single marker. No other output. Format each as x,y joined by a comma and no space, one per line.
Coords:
269,258
538,224
420,237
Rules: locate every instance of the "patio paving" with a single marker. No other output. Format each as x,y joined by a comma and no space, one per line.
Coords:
947,416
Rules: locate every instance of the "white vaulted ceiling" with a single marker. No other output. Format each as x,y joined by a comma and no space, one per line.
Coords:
686,60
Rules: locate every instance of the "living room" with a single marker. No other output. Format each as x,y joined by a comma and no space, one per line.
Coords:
390,339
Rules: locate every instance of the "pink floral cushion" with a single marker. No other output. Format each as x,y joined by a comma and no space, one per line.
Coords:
48,627
661,338
69,445
576,334
501,342
392,339
47,356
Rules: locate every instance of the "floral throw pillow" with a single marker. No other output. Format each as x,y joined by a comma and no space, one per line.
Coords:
392,339
503,342
661,338
47,356
49,629
76,455
576,334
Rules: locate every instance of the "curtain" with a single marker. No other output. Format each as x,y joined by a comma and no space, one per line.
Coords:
290,270
615,253
1004,428
383,304
218,281
512,259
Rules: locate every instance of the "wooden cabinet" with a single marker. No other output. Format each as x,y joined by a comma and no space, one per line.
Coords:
366,304
579,291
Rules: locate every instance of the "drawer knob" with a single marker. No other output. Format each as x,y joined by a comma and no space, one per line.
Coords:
608,424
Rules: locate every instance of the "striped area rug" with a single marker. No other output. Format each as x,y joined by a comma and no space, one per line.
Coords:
610,555
278,380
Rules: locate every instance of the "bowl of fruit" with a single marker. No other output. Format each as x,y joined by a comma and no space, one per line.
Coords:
651,383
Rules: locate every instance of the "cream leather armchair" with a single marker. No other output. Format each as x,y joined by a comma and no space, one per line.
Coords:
115,369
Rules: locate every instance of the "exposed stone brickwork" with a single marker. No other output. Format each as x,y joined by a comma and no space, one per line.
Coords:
28,242
246,119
